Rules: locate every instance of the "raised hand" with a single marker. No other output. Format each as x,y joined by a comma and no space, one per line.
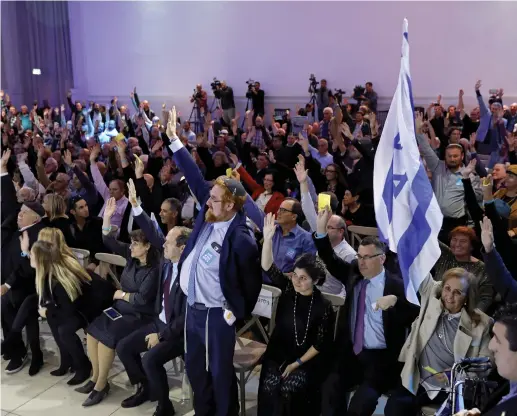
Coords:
272,157
139,167
68,158
302,141
94,152
322,221
469,169
472,140
419,122
301,173
132,194
157,146
5,158
461,93
111,207
487,234
487,186
269,227
478,85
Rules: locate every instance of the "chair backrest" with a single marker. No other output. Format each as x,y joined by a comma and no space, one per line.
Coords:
264,308
357,233
107,263
83,256
337,304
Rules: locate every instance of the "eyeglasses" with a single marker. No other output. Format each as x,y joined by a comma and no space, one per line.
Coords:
359,257
334,228
211,198
284,210
134,244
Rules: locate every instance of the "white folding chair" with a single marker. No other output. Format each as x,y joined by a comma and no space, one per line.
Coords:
83,256
357,233
247,352
107,265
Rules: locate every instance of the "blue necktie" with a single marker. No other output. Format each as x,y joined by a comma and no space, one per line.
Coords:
200,243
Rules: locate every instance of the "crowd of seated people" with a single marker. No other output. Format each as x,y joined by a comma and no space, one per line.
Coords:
105,179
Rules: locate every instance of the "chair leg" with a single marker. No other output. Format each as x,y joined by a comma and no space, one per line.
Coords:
175,365
242,386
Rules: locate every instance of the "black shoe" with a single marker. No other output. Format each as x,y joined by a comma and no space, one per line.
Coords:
80,376
36,364
141,396
165,410
86,389
96,397
16,364
61,371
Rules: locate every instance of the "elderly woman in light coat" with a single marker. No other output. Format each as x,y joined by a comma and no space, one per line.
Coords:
447,330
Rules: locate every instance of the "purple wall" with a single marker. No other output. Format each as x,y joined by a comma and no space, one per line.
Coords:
165,48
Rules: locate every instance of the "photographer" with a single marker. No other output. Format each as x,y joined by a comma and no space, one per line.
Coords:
225,93
322,95
257,99
200,97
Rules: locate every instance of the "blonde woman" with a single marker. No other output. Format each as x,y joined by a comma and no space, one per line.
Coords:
448,328
69,297
55,208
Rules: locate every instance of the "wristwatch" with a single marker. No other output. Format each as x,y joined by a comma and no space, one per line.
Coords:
25,254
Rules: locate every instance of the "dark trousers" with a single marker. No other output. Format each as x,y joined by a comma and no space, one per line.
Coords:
448,225
403,402
371,373
70,346
215,389
14,319
149,369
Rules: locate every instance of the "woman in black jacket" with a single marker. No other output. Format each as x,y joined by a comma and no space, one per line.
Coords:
296,359
70,298
133,306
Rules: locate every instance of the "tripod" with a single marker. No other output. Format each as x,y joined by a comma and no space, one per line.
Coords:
245,111
195,117
312,101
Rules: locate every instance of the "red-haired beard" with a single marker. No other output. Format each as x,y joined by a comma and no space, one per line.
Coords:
210,216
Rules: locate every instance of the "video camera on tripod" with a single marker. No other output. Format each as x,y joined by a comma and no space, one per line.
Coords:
215,84
338,94
313,82
251,84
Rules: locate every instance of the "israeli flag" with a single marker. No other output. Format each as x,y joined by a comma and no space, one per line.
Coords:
408,216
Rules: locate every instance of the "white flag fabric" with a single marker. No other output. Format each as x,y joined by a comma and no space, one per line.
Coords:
408,216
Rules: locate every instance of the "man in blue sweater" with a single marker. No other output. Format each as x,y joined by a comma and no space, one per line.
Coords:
219,272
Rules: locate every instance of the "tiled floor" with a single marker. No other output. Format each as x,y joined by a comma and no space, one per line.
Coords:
45,395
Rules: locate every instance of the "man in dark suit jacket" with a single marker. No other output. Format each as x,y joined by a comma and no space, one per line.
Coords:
18,280
220,274
162,340
373,325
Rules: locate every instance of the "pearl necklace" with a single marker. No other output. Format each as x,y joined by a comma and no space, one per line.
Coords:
308,320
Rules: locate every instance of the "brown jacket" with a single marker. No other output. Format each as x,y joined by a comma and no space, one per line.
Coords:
512,219
470,340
